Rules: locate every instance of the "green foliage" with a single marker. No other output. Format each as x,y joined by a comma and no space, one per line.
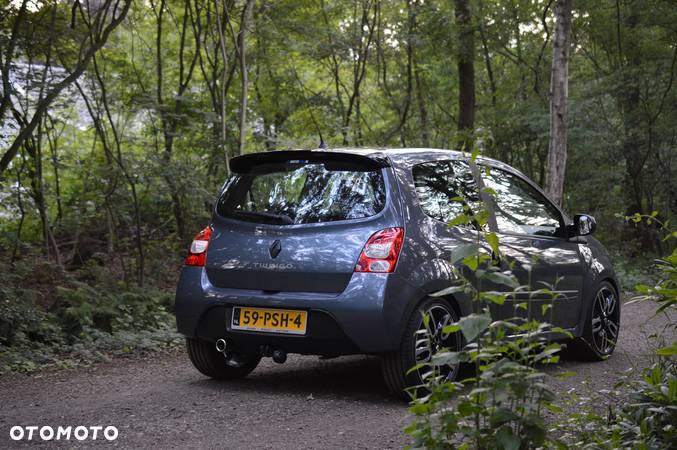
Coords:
649,418
503,405
79,318
664,290
646,421
301,64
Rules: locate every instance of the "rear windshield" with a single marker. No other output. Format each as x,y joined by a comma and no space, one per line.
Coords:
298,193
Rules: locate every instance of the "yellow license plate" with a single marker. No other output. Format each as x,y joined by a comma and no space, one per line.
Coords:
269,320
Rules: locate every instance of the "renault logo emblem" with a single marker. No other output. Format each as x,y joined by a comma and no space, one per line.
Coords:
275,248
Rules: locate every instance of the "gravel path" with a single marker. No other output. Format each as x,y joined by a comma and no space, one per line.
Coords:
162,402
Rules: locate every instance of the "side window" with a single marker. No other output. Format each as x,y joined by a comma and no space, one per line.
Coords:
519,208
440,184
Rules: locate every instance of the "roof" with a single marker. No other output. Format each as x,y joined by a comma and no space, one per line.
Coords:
393,153
397,154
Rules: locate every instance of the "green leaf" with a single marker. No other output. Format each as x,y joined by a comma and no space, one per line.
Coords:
473,325
461,219
448,358
489,191
482,216
463,252
501,278
426,320
498,299
670,350
566,374
554,408
466,408
471,262
450,290
492,240
506,439
502,415
416,368
453,328
672,390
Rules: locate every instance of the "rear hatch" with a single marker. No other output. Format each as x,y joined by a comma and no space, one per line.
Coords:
296,221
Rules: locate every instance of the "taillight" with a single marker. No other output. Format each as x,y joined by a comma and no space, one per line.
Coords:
381,251
197,254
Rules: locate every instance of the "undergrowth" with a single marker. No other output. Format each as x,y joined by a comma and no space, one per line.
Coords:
53,318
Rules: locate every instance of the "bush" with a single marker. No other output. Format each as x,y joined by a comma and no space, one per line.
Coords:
503,405
67,319
649,418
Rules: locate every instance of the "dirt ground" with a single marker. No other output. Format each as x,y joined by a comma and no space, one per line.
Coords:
162,402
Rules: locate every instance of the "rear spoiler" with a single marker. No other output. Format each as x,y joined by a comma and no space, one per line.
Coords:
246,163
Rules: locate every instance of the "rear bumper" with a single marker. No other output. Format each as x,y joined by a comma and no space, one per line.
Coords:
365,318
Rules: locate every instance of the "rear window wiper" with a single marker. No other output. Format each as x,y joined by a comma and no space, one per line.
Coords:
276,218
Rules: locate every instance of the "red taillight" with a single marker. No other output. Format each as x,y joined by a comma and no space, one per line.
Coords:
381,251
197,254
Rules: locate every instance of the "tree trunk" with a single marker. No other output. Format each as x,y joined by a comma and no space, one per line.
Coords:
244,79
489,67
466,74
22,213
223,87
559,89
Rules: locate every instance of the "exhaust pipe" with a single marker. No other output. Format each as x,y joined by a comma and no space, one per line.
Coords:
221,346
279,356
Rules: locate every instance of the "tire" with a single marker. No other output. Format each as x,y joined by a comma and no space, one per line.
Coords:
214,364
602,325
395,365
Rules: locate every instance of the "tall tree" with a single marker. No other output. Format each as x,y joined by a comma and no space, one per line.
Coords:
559,91
172,108
99,24
244,77
466,73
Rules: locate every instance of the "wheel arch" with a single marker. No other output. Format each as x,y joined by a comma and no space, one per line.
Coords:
613,282
461,307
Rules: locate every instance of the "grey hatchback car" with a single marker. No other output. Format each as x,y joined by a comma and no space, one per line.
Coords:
337,252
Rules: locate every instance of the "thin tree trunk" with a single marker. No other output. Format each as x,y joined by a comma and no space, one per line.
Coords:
34,145
167,127
420,94
402,109
487,63
22,212
117,157
244,78
422,110
466,73
223,88
218,83
559,89
170,117
53,145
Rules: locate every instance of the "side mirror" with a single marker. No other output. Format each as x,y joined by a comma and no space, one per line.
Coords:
583,225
